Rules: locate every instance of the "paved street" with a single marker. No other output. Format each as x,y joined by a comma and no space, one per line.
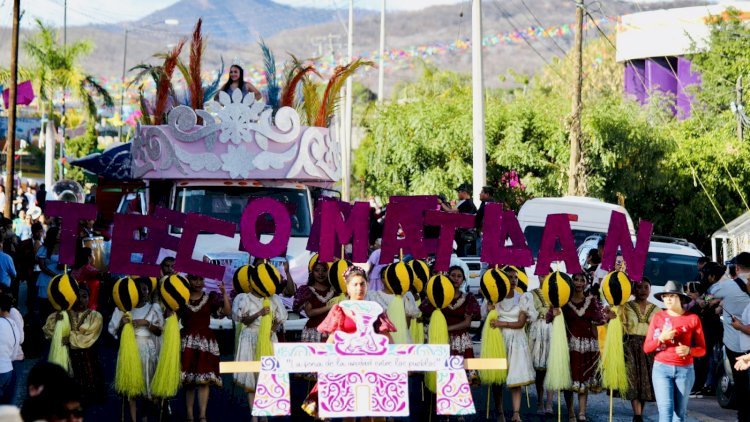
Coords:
229,404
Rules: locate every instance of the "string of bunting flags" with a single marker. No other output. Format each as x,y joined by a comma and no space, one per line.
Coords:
403,57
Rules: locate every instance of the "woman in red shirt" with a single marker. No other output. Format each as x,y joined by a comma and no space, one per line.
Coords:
677,337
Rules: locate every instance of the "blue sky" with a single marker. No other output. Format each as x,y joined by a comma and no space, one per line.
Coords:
81,12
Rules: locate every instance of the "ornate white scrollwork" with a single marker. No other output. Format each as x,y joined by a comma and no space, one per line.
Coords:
251,139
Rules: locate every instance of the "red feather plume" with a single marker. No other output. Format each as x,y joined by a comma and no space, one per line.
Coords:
197,46
165,82
287,97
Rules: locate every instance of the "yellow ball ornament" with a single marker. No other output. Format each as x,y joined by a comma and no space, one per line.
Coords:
440,291
557,288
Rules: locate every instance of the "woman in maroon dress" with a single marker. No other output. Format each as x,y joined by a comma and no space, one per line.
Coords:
459,314
583,313
200,351
313,299
338,320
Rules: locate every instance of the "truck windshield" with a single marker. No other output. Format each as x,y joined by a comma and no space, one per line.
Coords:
228,202
662,267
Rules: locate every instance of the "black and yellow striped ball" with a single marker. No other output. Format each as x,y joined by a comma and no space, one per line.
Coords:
266,280
62,292
152,281
557,288
174,291
398,277
494,285
241,280
522,285
440,291
314,260
421,274
126,294
336,275
616,287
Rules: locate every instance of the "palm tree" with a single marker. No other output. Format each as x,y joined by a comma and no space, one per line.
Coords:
56,67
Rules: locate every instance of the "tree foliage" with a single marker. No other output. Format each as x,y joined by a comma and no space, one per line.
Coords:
662,169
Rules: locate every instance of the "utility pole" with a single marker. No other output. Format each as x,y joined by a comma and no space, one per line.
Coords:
10,140
63,121
740,127
122,81
381,70
575,172
347,150
479,176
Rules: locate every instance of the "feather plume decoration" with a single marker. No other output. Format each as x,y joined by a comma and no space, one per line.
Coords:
290,88
145,111
144,70
310,101
330,100
163,88
272,83
210,90
197,47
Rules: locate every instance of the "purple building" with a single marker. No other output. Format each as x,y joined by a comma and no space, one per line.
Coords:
652,47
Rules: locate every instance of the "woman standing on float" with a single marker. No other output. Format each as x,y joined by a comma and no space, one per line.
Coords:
237,81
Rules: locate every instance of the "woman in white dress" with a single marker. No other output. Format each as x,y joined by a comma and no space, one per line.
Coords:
513,313
540,335
248,308
148,321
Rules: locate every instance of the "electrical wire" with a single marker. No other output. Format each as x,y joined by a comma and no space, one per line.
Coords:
505,15
543,26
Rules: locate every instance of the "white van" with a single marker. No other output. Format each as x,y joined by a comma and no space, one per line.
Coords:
668,259
587,216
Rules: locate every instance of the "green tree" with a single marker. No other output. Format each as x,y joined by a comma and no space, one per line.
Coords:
57,68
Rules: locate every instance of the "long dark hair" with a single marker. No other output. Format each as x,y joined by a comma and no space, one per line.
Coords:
311,277
50,240
240,81
82,258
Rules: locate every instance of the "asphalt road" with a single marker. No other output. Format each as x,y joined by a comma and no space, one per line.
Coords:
230,404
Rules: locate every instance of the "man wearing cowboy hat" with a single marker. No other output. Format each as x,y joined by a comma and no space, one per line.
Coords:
734,299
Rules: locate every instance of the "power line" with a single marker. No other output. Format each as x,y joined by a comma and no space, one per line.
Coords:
543,26
505,15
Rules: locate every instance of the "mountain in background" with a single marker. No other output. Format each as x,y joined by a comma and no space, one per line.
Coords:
234,27
239,20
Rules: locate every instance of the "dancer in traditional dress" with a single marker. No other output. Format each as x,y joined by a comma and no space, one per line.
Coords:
200,351
313,300
513,312
540,335
85,329
248,309
583,313
459,314
148,321
636,316
338,320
